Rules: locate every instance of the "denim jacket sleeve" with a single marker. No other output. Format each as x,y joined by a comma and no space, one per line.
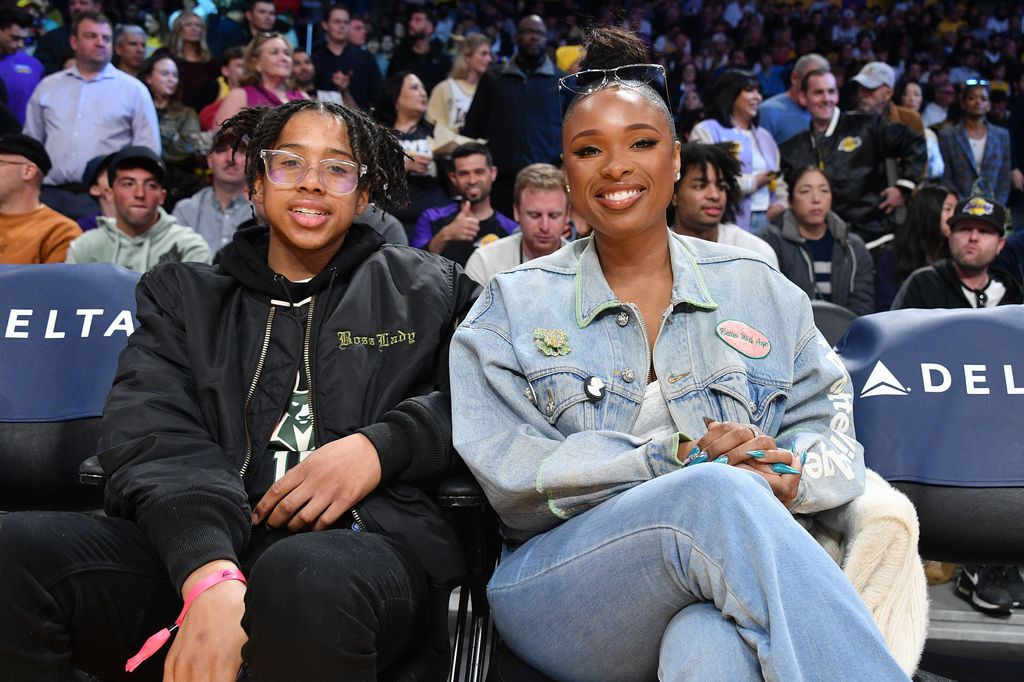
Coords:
818,421
534,475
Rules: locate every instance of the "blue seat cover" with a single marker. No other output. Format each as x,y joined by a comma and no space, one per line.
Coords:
61,330
939,394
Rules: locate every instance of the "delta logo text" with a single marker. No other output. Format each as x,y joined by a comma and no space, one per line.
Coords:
938,378
58,324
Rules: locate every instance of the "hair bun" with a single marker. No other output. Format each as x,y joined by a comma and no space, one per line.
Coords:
608,47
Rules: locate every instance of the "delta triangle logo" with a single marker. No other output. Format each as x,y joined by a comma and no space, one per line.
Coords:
882,382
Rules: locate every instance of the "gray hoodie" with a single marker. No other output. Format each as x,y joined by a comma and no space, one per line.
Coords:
166,241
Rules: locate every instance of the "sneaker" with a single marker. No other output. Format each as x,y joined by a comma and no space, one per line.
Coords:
1014,584
985,588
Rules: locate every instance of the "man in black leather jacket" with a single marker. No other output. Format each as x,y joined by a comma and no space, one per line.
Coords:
299,385
851,148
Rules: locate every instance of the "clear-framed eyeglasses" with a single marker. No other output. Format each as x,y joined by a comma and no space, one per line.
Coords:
631,76
337,176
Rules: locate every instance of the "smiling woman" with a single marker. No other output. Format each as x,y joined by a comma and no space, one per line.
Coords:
635,550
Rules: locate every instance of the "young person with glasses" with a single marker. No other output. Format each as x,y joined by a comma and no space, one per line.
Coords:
973,149
272,420
661,416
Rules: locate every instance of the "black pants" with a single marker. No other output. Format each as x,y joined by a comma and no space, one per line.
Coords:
84,591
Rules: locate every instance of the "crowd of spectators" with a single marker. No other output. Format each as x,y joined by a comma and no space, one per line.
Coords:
885,99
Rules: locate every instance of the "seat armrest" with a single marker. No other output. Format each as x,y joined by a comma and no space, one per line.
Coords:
91,473
460,490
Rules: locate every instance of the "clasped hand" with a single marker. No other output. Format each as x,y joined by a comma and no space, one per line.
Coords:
745,447
319,490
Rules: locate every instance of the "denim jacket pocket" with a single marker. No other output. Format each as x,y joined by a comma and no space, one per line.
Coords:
745,400
561,400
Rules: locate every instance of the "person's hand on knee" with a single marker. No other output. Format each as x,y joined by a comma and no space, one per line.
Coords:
319,490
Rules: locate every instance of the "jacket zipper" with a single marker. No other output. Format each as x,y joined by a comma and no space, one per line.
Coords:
647,340
252,391
307,366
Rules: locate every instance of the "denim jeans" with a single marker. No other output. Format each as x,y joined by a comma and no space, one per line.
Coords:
697,574
86,591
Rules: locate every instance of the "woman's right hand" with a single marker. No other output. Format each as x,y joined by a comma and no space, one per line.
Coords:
746,447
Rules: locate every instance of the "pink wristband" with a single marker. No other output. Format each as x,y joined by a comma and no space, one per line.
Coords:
156,641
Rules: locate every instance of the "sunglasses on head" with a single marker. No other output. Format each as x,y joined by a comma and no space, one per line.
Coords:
973,82
583,83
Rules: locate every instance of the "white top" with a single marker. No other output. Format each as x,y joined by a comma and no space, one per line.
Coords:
760,198
490,259
460,105
933,114
734,235
994,293
978,148
654,421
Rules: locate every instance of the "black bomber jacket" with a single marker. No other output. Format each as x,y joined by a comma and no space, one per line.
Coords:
204,379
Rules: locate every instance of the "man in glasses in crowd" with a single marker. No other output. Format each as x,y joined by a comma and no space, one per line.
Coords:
516,108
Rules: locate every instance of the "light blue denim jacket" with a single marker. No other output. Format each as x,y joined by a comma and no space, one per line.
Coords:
544,452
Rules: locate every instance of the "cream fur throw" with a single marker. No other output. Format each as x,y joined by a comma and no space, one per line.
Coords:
874,538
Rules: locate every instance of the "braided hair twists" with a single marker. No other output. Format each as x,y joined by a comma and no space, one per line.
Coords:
373,145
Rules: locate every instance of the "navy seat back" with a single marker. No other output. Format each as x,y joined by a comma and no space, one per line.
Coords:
938,405
62,328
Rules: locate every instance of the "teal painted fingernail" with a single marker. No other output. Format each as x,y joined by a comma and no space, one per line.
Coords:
697,460
724,459
781,468
756,454
694,452
803,457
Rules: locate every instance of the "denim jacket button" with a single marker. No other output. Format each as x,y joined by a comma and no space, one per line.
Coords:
622,319
628,376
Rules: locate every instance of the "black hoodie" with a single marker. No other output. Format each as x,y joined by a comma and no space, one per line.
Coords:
205,378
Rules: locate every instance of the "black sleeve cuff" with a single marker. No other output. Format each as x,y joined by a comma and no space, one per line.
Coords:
190,530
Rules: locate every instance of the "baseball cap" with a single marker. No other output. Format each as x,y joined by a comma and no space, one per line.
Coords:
134,156
29,147
875,75
982,209
96,165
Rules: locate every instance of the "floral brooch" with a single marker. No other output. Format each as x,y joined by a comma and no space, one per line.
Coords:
552,342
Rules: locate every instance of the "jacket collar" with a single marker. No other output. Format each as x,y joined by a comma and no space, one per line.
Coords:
164,220
960,132
834,123
245,259
594,295
836,225
511,68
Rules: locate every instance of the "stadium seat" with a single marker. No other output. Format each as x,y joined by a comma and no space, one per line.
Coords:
61,330
938,399
831,319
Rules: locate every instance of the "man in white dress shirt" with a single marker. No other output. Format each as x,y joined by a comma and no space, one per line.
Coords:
87,110
706,196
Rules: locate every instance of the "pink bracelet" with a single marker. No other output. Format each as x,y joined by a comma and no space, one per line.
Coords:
156,641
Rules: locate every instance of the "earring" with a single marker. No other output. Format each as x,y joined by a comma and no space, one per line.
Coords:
678,175
567,189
